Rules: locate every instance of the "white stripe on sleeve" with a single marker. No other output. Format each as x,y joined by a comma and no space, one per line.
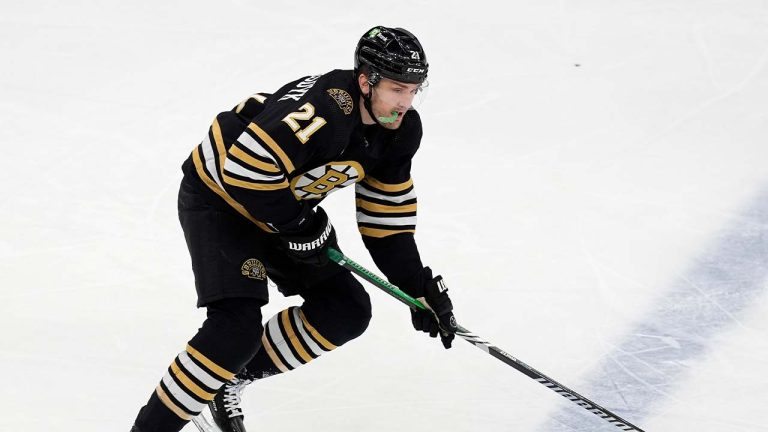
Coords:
210,160
362,190
235,168
254,146
389,220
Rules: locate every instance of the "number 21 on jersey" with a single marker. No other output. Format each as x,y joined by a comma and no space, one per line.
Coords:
307,112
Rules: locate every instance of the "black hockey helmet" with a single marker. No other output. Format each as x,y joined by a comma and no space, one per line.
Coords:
392,53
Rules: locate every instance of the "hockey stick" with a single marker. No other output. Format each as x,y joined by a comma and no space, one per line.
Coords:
342,260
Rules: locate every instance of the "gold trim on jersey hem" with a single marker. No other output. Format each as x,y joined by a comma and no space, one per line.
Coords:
380,233
389,187
273,145
381,208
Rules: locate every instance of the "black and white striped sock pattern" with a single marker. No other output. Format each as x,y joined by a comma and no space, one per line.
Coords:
291,341
191,382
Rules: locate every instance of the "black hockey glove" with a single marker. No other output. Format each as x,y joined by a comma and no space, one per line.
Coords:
438,319
310,243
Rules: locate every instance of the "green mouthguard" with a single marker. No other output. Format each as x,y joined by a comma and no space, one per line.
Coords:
390,119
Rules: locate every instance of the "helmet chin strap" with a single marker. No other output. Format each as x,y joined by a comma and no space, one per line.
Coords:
367,103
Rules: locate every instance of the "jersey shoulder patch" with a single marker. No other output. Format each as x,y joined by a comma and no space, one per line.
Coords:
343,99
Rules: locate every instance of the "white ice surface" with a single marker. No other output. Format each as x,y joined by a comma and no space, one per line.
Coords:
593,184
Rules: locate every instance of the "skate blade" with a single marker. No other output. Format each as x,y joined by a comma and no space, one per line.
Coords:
204,423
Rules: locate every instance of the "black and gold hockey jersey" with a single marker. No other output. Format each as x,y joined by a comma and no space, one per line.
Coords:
274,156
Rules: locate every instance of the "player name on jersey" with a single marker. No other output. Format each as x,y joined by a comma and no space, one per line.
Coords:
301,89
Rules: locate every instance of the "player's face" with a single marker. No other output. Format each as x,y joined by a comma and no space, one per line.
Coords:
390,98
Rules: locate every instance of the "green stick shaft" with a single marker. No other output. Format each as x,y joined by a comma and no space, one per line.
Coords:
340,259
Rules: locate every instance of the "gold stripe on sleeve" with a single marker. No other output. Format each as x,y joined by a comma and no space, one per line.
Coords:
219,140
272,145
254,186
224,374
380,208
387,187
323,341
171,406
189,384
293,337
379,233
250,160
214,187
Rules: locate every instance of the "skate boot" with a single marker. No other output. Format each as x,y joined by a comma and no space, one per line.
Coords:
225,407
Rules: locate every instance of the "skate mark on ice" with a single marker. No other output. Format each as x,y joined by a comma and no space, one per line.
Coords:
646,364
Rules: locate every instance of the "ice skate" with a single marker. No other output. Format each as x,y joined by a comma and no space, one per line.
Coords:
225,407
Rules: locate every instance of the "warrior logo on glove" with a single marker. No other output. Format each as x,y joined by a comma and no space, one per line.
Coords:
314,244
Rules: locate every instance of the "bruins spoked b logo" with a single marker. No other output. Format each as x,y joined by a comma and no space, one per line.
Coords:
319,182
254,269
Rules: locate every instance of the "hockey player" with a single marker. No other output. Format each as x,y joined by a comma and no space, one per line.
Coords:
248,205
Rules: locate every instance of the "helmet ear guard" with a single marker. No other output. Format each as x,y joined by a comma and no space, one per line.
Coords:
374,78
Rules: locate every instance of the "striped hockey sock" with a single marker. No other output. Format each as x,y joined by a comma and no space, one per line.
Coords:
288,342
190,383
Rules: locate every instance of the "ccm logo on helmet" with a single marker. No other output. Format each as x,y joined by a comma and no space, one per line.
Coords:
416,70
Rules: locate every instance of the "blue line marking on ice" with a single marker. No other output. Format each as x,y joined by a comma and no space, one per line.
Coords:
646,365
